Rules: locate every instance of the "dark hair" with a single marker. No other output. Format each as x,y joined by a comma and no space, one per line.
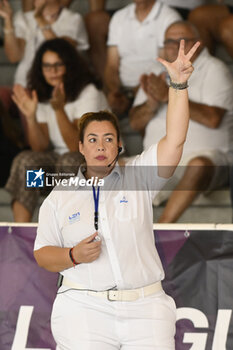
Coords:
77,74
99,117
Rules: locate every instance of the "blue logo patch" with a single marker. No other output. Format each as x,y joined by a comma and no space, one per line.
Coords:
35,178
123,200
74,217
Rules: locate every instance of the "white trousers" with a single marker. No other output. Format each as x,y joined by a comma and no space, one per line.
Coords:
83,322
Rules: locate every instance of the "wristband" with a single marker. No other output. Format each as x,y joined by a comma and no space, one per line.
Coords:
178,86
72,257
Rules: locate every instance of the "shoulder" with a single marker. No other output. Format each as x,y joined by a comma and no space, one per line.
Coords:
211,66
123,14
90,90
21,17
147,157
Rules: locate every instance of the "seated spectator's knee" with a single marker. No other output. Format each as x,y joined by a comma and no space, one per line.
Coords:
200,172
69,163
23,158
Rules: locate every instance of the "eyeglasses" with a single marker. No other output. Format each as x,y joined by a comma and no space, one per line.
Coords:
174,43
49,66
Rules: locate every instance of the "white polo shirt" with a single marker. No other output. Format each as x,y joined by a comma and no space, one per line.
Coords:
128,256
90,99
138,42
68,24
211,84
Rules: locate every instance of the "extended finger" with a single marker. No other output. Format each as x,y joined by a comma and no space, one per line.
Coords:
181,48
163,62
192,50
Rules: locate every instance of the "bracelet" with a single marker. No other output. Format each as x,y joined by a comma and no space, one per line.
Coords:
46,27
178,86
8,31
72,257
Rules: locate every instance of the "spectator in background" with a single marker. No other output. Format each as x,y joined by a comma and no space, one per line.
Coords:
22,36
215,24
24,33
65,89
211,121
135,34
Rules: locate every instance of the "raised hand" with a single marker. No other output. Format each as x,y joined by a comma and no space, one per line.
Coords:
58,97
26,102
5,10
181,69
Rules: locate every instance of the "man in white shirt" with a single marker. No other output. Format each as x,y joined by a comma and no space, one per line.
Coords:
210,128
135,34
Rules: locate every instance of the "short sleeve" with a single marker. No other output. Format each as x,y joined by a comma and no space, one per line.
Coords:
218,86
114,30
48,233
90,100
20,25
72,25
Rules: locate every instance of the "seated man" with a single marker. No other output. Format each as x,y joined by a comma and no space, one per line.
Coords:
135,34
211,120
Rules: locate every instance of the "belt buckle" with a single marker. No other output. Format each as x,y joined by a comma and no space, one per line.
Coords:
108,295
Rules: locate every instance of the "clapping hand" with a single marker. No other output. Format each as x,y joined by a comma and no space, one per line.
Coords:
58,97
27,102
155,87
181,69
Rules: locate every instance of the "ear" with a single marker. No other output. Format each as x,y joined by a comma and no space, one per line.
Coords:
80,146
120,147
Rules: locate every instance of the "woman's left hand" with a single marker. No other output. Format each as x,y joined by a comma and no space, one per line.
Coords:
181,69
58,97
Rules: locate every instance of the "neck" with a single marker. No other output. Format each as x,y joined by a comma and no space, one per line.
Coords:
143,9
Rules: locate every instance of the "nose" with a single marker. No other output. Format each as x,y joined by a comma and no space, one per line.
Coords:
53,69
101,146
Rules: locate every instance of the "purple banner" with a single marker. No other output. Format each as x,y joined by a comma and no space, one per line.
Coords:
198,267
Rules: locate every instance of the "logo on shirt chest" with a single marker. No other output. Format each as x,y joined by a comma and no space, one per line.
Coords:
123,200
74,217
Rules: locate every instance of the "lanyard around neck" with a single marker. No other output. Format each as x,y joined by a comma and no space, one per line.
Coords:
96,202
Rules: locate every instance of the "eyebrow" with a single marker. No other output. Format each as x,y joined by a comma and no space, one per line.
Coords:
107,134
